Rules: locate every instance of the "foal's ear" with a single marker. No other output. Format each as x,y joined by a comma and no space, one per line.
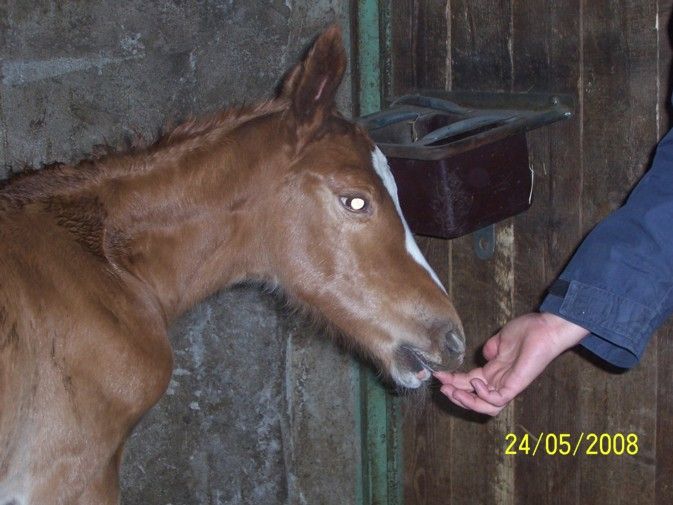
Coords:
311,84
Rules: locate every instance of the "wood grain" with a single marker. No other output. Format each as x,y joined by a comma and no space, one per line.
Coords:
613,59
482,290
664,349
546,234
619,100
427,429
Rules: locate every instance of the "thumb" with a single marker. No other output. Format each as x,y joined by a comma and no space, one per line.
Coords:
491,347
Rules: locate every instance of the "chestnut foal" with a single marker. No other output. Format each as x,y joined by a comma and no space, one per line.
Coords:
97,259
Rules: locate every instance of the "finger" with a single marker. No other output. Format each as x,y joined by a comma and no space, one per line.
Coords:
457,379
444,377
469,401
492,396
490,349
472,402
448,391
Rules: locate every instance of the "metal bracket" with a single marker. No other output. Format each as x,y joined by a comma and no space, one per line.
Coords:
484,242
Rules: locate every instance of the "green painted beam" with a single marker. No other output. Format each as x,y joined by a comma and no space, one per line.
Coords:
378,412
369,56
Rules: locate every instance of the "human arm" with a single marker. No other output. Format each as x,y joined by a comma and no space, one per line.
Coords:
618,288
619,282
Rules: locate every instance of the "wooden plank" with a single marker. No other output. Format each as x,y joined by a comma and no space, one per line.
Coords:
432,43
427,428
664,421
665,68
608,53
546,59
482,289
419,54
619,131
664,349
418,28
402,56
484,303
480,45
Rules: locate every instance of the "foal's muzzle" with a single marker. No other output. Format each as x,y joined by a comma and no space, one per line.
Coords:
423,363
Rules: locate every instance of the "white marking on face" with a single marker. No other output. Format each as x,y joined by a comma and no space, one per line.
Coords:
383,170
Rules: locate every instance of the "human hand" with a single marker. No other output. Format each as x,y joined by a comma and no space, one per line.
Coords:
516,355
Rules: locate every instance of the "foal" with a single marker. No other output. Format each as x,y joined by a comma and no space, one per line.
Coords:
97,259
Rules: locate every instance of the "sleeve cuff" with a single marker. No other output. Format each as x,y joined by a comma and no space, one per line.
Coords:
620,327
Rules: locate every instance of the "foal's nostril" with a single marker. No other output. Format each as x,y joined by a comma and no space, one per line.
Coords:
455,343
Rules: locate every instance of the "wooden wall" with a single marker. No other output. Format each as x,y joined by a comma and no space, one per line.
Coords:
614,57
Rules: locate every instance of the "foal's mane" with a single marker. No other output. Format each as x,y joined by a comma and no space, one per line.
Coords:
31,184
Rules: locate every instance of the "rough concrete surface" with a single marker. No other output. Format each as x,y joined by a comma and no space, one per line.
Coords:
260,409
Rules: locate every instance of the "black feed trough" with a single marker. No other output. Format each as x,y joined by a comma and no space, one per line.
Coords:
460,159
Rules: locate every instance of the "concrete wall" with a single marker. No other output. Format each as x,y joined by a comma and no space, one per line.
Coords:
260,410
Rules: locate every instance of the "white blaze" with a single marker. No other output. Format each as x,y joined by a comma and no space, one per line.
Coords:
383,169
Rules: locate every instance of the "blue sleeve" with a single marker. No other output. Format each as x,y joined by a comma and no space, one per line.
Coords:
619,283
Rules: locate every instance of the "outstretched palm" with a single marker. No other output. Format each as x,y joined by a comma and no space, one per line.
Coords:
516,355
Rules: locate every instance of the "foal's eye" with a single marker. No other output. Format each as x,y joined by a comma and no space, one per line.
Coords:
354,203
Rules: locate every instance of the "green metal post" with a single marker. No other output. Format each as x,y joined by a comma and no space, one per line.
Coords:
379,411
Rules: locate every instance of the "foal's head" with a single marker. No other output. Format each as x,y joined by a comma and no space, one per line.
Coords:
337,239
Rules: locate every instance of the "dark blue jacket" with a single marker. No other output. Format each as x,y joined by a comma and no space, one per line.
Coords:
619,283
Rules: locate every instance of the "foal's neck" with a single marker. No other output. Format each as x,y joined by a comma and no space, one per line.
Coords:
186,222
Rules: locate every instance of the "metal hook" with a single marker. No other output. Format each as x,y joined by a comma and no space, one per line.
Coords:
412,125
484,242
